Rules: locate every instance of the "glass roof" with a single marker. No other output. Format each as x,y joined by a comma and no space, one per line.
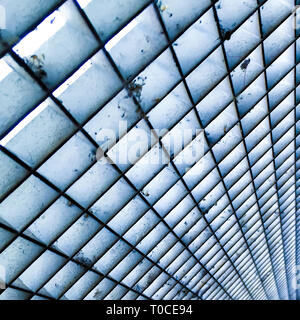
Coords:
149,149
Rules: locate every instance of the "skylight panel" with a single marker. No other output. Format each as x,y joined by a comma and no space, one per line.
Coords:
25,203
17,89
193,46
177,15
156,81
207,75
241,42
60,215
29,11
39,133
11,174
100,170
273,12
139,46
56,43
107,18
96,77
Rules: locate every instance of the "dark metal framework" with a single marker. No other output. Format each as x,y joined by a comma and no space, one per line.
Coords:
259,269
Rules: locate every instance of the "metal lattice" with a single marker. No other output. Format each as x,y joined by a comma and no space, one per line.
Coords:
75,223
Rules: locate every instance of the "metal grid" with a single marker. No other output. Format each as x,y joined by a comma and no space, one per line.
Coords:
74,226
